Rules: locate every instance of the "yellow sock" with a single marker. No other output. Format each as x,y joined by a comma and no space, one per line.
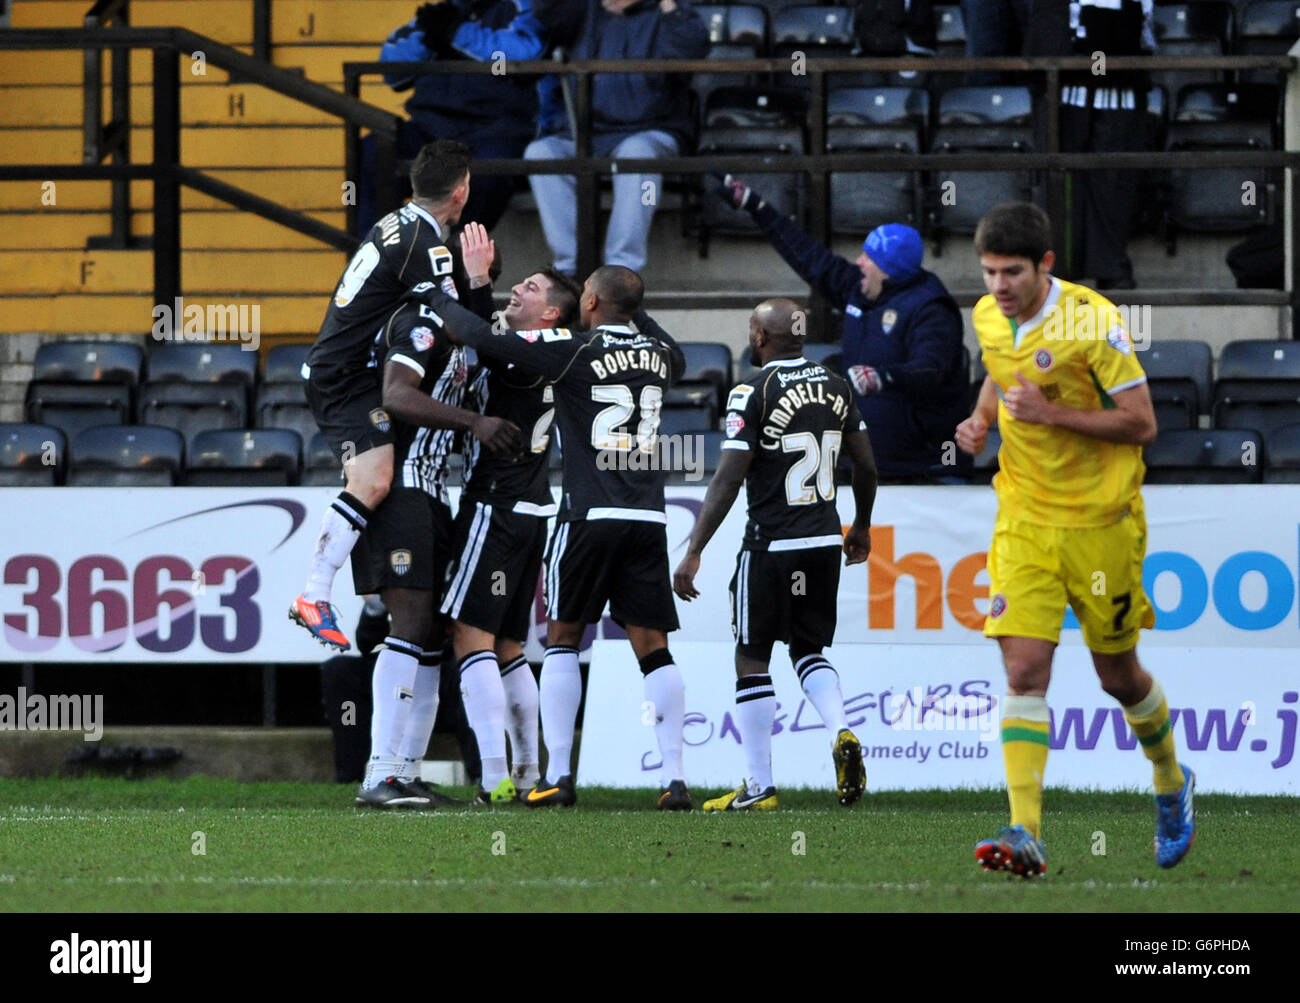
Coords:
1149,719
1025,741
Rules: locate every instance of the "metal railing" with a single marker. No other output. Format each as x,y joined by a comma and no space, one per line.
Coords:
169,175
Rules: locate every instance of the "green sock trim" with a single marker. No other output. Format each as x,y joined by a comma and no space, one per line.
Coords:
1158,737
1013,734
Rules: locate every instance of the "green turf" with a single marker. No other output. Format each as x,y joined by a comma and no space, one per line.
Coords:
118,845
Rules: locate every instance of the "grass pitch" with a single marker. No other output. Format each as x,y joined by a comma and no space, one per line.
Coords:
123,846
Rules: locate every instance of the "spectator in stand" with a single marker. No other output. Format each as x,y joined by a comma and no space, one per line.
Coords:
1105,113
633,115
902,339
493,114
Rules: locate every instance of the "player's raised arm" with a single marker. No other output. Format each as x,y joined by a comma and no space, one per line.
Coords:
677,359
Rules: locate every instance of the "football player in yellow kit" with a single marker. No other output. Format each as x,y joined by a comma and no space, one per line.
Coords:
1074,411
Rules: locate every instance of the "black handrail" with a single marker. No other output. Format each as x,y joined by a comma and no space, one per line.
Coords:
168,175
100,141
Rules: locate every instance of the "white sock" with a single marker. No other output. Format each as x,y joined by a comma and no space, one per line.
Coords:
485,709
392,689
339,531
756,709
667,695
424,711
821,684
520,686
560,694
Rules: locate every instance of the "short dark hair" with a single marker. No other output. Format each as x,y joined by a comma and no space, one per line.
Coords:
438,168
621,287
1014,230
564,293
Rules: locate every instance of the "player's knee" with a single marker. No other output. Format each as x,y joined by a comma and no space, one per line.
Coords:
798,652
753,653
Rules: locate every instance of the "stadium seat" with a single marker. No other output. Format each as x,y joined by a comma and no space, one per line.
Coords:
707,376
1204,456
985,465
681,420
192,408
282,405
711,444
284,363
817,31
987,120
828,353
1282,453
126,456
236,458
1258,385
1178,375
1198,28
1267,28
31,456
875,120
322,467
81,384
761,120
950,31
201,363
1221,117
736,31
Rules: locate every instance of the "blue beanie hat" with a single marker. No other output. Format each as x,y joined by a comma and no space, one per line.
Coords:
896,250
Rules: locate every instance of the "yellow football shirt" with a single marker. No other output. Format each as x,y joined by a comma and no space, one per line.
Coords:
1077,349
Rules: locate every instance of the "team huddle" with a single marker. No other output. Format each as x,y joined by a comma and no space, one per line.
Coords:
393,386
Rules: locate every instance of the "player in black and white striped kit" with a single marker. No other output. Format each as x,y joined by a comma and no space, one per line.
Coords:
407,542
785,428
404,251
610,544
501,537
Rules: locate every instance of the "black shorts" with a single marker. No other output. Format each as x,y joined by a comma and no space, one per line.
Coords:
619,561
349,410
786,595
406,545
492,581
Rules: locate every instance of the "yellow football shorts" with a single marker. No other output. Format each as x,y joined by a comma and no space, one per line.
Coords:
1035,570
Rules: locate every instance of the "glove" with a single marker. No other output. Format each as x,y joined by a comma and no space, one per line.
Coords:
438,22
735,192
865,380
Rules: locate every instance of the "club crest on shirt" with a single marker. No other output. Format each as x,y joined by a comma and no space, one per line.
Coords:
1043,359
888,319
449,287
734,424
422,338
379,418
529,336
400,561
998,606
1118,339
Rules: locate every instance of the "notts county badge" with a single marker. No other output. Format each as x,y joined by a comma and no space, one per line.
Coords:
400,560
379,418
888,319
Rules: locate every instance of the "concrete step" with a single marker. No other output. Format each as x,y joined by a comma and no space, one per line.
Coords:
202,103
231,21
293,188
252,272
200,229
218,146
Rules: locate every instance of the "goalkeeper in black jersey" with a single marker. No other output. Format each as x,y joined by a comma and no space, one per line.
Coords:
610,543
404,251
785,428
